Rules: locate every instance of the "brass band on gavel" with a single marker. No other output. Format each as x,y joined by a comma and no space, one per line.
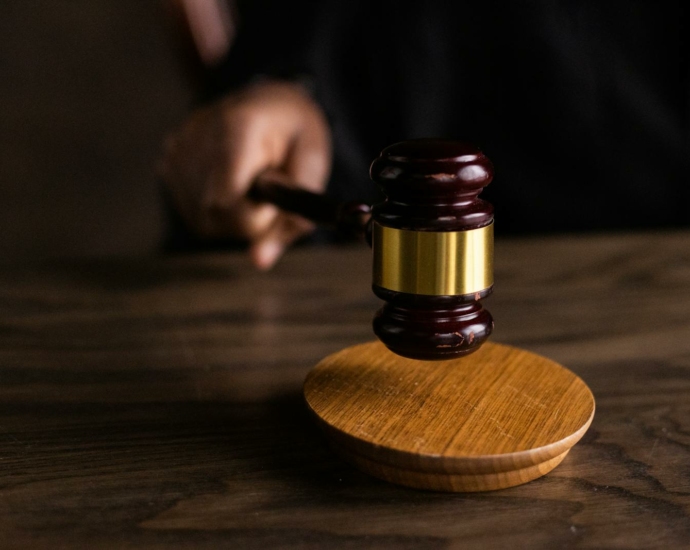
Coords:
436,263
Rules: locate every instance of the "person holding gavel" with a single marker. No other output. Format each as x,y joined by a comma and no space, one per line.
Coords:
212,161
584,108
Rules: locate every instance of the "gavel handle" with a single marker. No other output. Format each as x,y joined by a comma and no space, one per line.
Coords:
349,218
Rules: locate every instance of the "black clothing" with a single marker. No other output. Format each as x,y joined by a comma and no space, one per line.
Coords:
582,105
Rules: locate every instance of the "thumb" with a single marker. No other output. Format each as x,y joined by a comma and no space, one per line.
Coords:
287,228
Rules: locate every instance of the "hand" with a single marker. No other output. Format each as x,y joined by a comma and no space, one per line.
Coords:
212,160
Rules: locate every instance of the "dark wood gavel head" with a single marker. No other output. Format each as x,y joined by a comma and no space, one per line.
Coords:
433,248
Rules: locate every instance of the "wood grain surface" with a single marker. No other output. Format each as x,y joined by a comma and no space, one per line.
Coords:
497,418
157,403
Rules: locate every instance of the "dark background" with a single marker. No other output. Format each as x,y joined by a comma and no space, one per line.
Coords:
88,89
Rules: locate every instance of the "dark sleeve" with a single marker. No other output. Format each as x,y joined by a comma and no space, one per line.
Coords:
275,38
582,106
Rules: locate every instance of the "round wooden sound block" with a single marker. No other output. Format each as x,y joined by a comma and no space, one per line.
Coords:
494,419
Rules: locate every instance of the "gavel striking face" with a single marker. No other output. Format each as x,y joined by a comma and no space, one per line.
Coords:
433,244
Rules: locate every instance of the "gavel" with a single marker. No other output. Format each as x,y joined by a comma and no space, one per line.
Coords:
467,423
432,240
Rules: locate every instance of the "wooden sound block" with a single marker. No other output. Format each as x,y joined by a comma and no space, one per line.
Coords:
499,417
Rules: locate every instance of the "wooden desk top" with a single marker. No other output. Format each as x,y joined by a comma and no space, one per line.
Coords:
158,403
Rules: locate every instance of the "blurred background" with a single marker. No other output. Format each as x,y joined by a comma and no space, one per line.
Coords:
88,89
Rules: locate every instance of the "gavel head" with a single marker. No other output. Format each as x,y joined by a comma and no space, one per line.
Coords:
433,248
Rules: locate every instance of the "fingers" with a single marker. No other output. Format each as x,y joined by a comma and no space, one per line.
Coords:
241,156
235,165
307,162
309,158
286,229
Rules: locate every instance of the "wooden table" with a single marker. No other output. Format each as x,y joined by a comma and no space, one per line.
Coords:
157,403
